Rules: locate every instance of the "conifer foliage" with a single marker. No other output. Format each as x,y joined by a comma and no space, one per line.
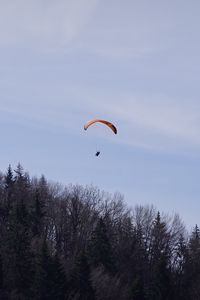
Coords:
80,243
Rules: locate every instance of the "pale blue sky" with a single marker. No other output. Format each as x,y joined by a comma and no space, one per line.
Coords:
135,63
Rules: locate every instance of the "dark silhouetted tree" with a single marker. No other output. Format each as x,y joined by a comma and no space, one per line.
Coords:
100,251
80,283
49,277
159,255
17,264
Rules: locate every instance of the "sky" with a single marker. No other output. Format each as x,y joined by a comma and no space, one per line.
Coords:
132,62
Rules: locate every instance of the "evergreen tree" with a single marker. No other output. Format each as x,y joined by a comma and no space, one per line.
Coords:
59,278
100,250
159,254
9,191
179,276
37,214
22,181
49,278
192,265
19,171
42,286
9,180
194,247
138,263
137,289
81,287
17,258
1,275
128,257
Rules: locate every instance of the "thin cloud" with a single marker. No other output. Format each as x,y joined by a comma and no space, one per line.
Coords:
153,121
45,23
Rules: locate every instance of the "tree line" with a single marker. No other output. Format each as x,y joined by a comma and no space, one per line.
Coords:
80,243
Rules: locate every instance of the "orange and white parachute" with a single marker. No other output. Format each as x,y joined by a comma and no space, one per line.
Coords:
109,124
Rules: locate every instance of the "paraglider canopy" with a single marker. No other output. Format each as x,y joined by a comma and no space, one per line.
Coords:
109,124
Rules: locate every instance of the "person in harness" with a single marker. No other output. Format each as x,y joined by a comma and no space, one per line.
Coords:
107,123
97,153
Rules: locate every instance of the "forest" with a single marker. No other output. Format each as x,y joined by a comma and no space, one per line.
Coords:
80,243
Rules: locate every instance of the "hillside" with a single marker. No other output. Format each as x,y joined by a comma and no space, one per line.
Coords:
74,242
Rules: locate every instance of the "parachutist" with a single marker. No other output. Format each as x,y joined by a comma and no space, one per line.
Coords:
110,125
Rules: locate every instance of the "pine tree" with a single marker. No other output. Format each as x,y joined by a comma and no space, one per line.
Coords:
192,265
1,275
9,191
194,246
49,279
9,180
42,286
22,181
159,253
137,289
179,275
19,171
80,283
59,278
100,251
17,258
138,262
37,214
